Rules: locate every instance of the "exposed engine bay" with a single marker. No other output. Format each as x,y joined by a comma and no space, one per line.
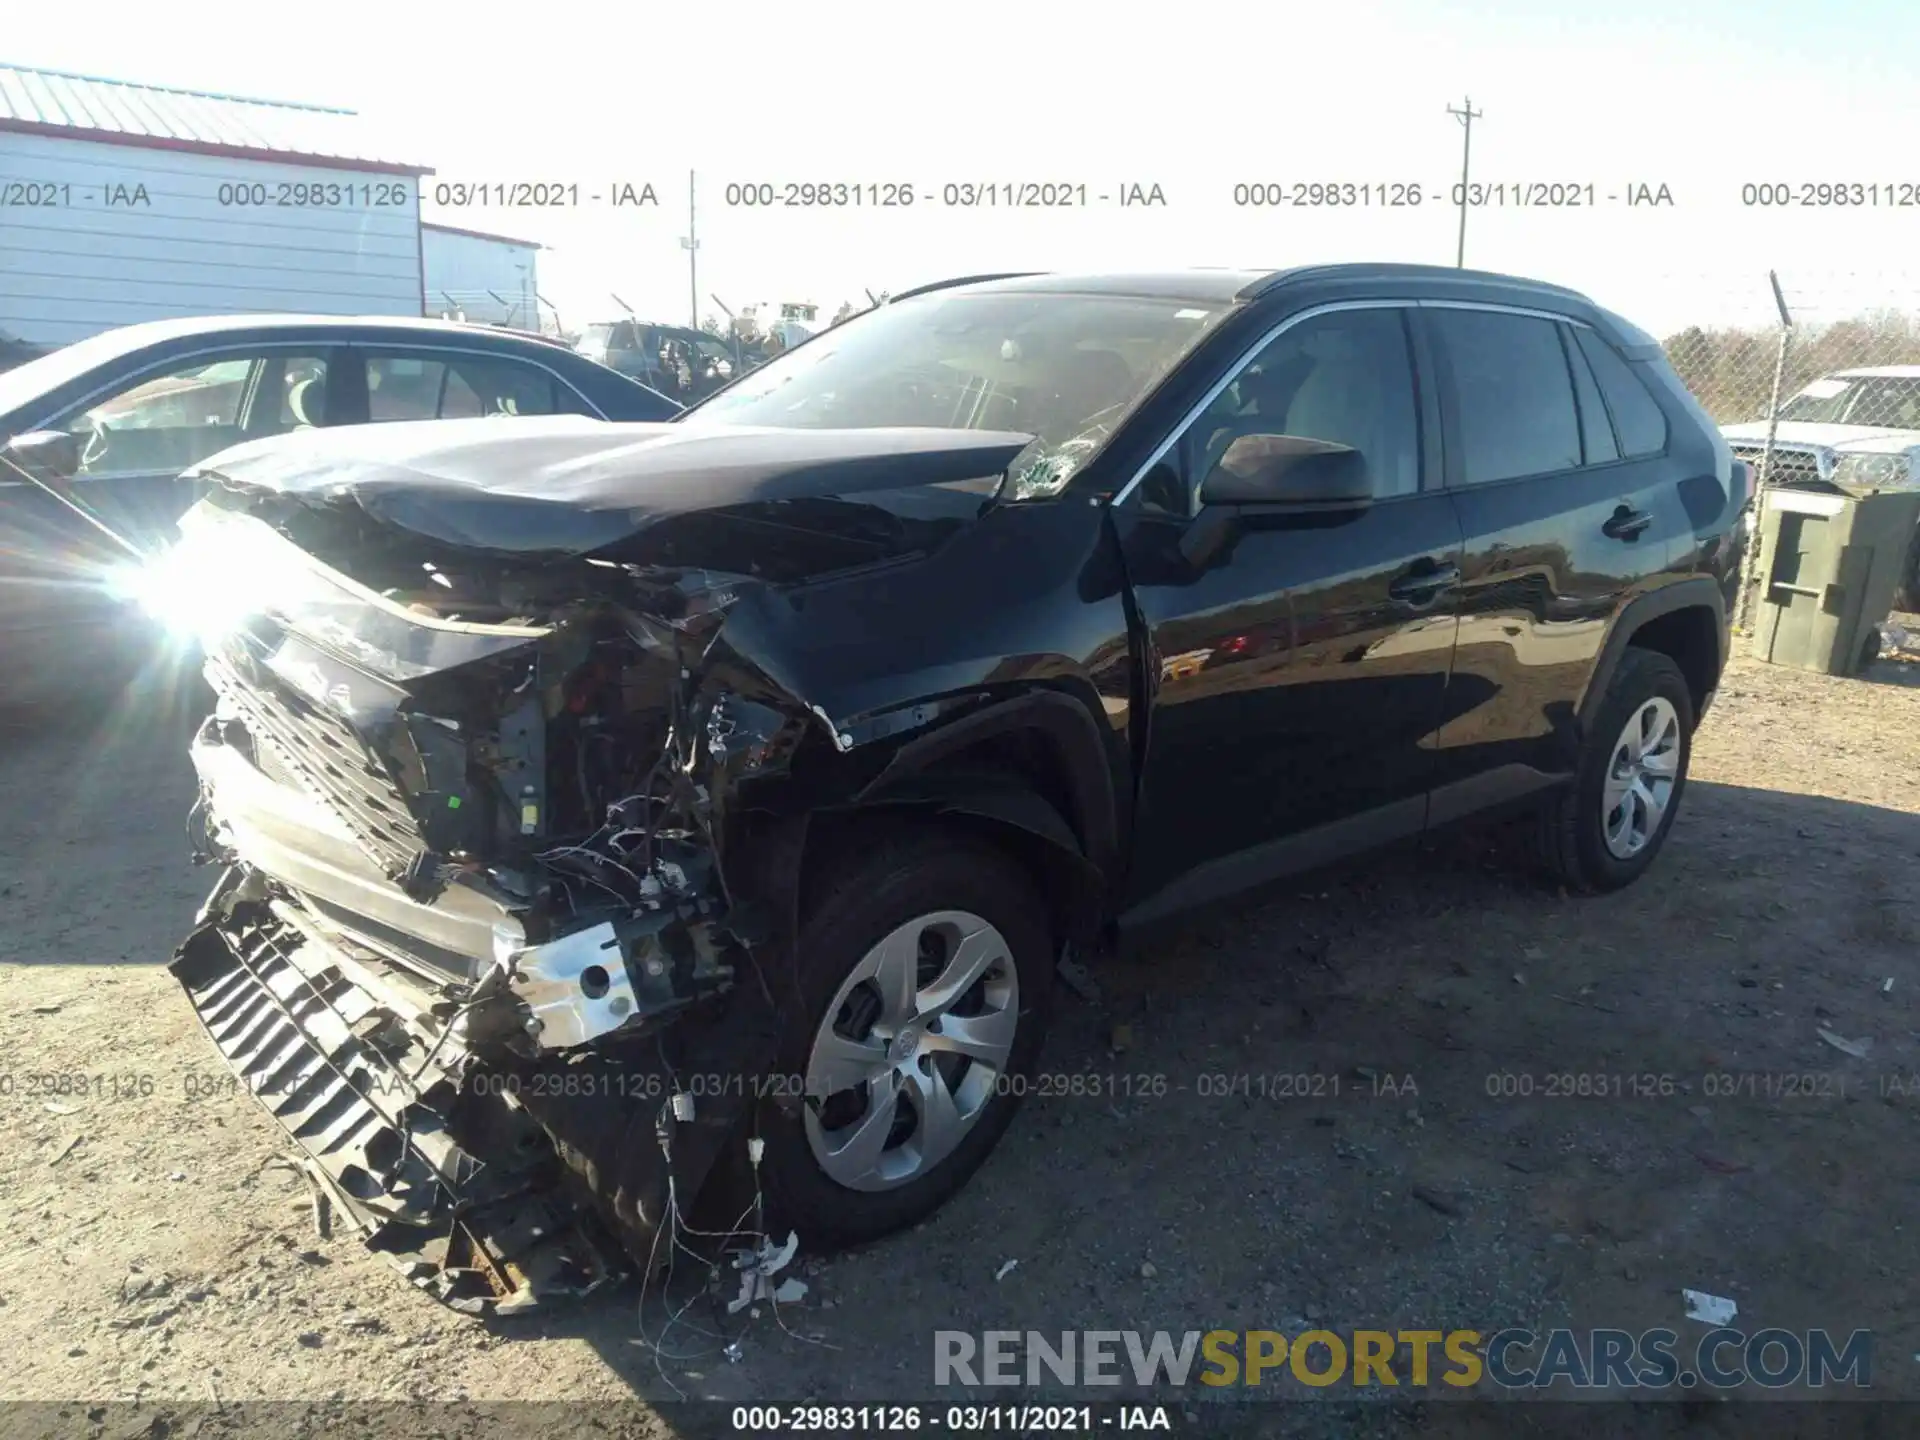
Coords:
546,814
477,943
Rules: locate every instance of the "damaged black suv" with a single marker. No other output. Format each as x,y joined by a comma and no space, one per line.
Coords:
607,807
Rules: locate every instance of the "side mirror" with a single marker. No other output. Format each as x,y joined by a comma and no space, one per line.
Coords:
49,456
1288,470
1273,476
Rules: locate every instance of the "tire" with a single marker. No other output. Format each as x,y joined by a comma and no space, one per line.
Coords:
899,877
1575,824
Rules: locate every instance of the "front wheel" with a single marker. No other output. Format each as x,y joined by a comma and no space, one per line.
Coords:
1604,830
926,970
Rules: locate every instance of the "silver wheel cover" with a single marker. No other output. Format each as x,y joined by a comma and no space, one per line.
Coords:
1642,770
912,1048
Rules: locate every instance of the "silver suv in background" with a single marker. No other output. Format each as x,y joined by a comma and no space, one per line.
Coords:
1853,427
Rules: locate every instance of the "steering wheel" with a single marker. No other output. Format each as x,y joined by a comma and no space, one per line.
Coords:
98,441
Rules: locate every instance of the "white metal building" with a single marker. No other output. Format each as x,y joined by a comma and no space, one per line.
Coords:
474,275
122,202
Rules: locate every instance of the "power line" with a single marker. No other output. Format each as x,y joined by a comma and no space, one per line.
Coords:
1466,116
690,242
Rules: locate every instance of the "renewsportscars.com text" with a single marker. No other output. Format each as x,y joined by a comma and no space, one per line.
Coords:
1510,1359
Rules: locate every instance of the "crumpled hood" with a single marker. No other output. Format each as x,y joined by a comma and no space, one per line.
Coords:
1871,439
571,485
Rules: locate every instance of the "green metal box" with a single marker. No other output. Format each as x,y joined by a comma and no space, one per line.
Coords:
1830,565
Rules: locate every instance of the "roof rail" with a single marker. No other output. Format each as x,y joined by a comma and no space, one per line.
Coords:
1267,284
962,280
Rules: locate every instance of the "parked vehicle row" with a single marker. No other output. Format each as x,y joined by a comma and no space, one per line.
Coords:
687,365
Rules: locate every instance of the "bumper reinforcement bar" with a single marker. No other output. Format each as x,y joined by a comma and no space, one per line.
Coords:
455,1183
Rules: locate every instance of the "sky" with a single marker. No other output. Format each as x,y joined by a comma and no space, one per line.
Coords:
1196,99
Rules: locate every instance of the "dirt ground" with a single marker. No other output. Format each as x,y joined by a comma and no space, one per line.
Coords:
151,1251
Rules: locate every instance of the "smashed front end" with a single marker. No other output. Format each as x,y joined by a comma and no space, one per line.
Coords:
473,944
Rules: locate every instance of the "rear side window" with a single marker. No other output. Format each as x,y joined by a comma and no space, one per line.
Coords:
1517,415
495,387
1596,430
404,387
1637,418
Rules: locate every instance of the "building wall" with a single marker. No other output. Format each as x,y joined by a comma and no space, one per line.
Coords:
97,235
461,270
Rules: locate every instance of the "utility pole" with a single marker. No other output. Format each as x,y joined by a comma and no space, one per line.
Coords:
1466,116
690,242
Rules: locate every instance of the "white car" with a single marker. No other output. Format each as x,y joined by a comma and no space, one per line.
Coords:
1853,427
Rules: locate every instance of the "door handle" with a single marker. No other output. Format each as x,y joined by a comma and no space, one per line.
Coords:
1626,524
1424,586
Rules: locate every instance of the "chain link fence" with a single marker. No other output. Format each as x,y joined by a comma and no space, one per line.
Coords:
509,310
1822,386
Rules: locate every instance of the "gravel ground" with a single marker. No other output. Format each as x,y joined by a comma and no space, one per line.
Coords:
151,1251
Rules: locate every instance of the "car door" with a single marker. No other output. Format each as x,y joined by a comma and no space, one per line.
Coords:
139,430
1299,675
1555,461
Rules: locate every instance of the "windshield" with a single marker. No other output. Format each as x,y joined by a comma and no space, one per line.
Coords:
1880,401
1064,368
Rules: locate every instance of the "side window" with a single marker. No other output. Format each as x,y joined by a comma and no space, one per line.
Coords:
1345,377
568,401
1637,418
199,394
404,387
454,387
626,351
1510,376
479,386
1596,431
1892,402
167,422
462,401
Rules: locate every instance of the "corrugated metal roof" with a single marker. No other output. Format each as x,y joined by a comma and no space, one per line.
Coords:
119,112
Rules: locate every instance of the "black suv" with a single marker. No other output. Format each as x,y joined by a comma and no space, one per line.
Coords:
724,792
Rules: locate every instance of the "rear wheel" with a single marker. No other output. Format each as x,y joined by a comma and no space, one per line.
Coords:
1603,831
927,971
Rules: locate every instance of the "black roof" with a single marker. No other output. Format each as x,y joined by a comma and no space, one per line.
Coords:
1215,287
1313,284
1227,286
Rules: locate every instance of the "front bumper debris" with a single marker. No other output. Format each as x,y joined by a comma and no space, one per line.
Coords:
494,1180
453,1181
